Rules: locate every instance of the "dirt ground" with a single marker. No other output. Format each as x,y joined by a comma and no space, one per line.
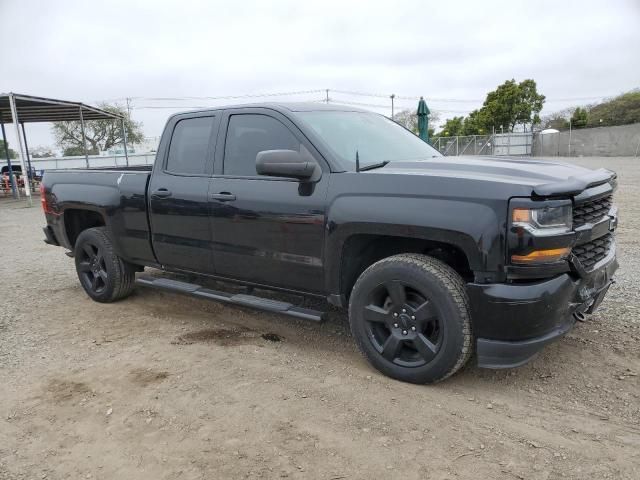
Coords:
161,386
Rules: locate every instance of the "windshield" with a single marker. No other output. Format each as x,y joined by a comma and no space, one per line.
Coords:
374,137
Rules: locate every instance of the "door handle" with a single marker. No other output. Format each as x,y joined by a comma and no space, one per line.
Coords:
161,192
223,196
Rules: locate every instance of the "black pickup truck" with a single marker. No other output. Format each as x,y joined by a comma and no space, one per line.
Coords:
435,258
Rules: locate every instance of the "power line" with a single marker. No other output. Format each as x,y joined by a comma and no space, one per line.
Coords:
321,100
455,100
196,107
231,97
406,97
402,101
387,107
342,92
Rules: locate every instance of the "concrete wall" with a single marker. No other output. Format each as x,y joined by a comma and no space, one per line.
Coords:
620,141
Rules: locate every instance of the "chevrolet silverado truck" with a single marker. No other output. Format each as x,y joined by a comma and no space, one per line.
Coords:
437,259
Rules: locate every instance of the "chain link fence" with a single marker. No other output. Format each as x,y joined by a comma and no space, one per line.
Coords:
495,144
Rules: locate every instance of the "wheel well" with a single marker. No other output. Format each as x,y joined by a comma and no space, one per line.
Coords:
361,251
75,221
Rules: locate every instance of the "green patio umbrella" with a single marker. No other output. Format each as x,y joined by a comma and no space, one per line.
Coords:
423,120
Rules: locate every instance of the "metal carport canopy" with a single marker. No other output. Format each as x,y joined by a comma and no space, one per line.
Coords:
20,109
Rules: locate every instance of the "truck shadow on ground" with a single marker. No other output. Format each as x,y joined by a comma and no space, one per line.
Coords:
208,322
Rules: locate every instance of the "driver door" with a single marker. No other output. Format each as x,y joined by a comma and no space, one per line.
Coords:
266,230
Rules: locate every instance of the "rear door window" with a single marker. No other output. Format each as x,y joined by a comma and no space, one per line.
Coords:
189,148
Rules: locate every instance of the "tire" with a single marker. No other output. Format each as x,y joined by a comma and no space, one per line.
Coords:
409,315
104,275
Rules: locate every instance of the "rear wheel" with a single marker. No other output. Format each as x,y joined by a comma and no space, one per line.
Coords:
103,275
409,315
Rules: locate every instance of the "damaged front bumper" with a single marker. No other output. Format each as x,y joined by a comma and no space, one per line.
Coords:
513,322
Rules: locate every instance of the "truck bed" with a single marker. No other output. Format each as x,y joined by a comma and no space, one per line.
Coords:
119,196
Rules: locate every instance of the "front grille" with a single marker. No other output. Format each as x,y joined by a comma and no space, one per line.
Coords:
592,211
592,252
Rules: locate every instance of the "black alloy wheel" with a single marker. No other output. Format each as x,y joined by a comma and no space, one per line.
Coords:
403,324
410,316
92,268
102,273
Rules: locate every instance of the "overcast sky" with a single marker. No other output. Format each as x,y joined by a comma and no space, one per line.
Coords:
89,52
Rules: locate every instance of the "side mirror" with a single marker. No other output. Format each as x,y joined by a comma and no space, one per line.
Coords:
286,163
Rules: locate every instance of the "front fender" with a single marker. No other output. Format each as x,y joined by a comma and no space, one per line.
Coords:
473,227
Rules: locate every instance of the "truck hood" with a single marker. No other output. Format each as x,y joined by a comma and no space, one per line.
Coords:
545,177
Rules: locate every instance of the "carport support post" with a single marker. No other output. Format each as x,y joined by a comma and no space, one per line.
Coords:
84,139
14,114
124,140
12,179
26,149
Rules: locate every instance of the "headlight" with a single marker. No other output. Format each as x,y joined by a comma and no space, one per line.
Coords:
540,234
545,221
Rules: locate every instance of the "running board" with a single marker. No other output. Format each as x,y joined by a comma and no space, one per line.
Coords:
236,299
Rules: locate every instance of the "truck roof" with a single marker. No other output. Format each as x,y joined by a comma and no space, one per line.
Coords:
288,106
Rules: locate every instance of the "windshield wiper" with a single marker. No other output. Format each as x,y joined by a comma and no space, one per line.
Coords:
368,167
373,166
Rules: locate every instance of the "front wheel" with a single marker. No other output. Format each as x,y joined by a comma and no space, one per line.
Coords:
409,315
104,275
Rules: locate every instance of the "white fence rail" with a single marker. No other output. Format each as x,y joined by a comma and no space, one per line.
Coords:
40,164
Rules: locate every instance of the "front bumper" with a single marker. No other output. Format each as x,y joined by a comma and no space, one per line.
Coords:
513,322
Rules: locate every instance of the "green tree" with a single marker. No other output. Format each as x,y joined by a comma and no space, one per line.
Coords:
621,110
476,123
579,118
101,135
452,127
512,104
3,151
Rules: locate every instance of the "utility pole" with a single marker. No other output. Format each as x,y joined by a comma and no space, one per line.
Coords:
326,96
128,99
569,137
393,95
124,141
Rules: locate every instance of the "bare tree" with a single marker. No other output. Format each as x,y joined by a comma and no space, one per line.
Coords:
101,135
409,119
